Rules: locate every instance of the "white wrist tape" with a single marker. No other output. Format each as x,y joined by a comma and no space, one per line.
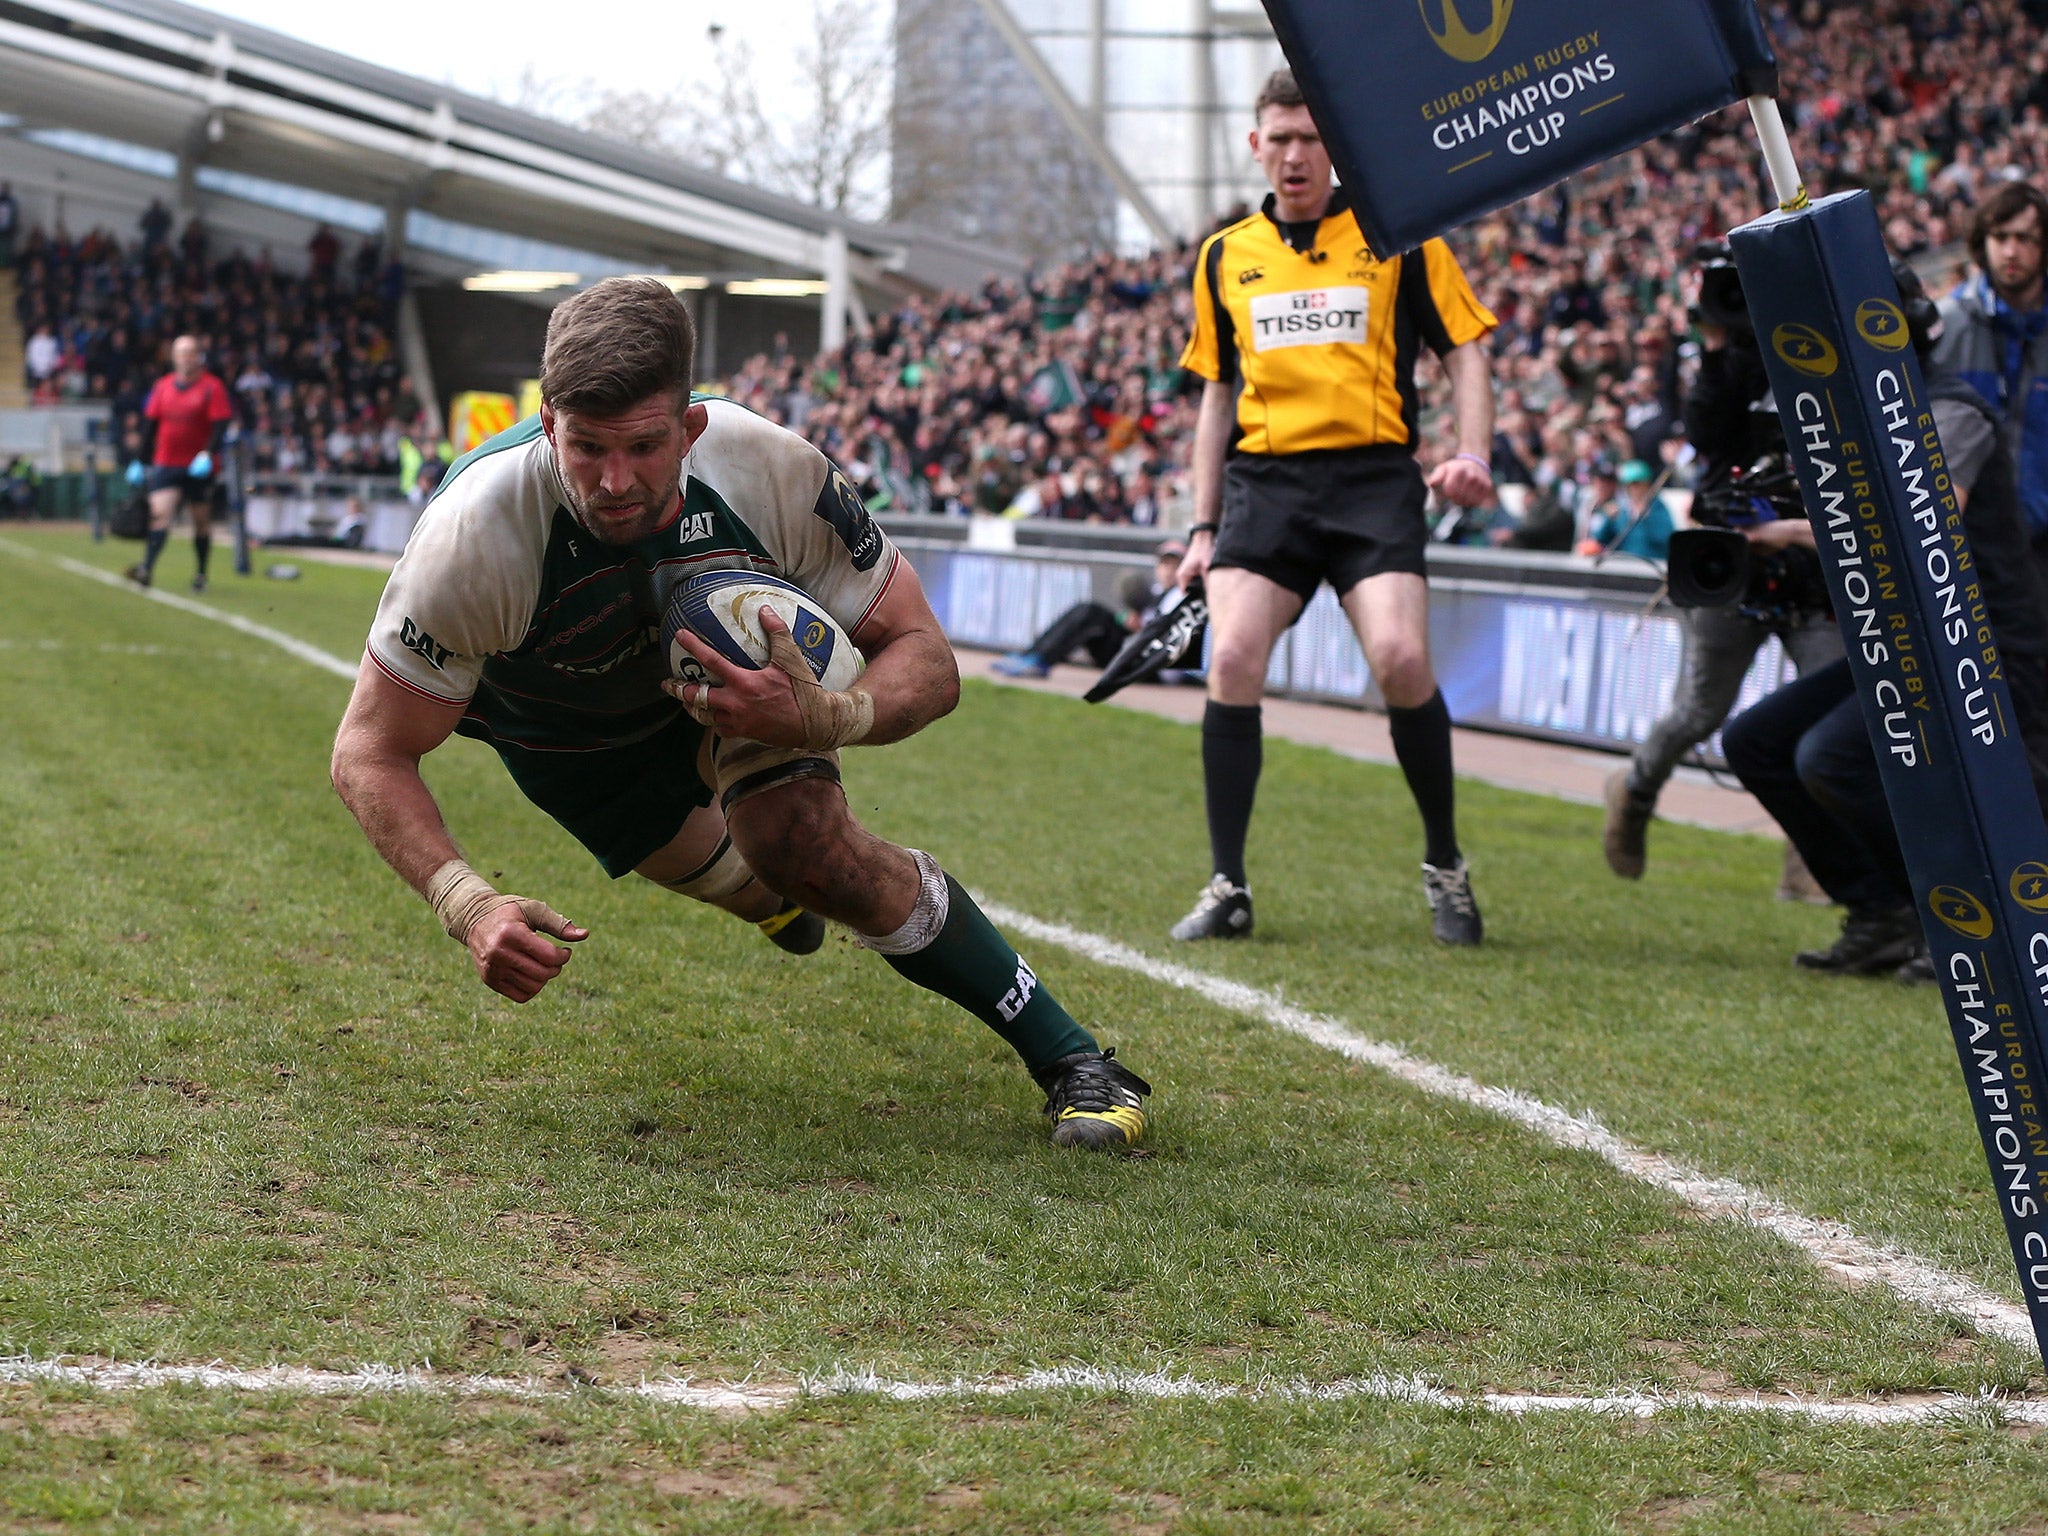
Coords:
459,896
835,720
831,720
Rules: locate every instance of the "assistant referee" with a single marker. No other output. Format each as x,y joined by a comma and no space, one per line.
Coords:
1305,472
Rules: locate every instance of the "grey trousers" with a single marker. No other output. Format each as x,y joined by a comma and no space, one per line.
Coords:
1720,644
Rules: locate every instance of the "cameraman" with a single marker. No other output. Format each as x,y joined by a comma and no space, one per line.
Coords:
1096,627
1732,424
1805,751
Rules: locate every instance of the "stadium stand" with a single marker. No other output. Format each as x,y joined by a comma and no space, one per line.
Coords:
1057,395
494,213
309,357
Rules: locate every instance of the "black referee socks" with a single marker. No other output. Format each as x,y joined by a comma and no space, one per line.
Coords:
1233,751
1422,745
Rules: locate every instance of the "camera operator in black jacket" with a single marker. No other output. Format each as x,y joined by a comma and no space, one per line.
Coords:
1731,422
1805,751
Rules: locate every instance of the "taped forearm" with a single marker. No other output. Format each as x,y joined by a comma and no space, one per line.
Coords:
459,896
462,898
834,720
831,720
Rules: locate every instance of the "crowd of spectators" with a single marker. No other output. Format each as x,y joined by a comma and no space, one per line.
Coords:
1057,397
309,358
1924,103
1060,396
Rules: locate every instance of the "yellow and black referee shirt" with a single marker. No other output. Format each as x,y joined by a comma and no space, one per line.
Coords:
1317,335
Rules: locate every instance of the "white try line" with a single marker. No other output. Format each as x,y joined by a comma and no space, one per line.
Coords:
1830,1244
1144,1386
310,654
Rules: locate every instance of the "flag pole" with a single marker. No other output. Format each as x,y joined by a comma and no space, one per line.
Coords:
1777,146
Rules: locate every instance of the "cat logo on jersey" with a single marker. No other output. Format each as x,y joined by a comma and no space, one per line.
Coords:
417,640
1960,910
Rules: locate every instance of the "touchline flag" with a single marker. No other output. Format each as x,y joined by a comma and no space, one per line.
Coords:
1927,668
1436,111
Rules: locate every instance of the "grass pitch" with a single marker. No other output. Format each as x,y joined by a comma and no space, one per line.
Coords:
254,1107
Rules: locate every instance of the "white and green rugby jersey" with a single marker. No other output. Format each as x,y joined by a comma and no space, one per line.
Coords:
505,602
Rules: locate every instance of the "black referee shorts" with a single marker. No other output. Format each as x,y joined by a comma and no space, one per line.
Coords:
1331,514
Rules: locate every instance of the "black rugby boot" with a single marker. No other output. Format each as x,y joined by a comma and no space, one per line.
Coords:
1094,1101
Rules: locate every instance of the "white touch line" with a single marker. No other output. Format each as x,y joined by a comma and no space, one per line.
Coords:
110,648
753,1397
1831,1245
324,660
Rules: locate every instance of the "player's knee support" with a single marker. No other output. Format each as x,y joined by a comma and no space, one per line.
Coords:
722,875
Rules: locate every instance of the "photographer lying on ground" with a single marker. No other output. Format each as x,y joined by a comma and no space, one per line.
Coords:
1805,751
1095,627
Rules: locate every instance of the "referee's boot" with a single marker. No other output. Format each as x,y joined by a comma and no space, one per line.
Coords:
1453,914
1094,1101
794,929
1222,911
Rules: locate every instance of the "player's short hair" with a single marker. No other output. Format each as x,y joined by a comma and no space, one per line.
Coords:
1278,91
2008,202
615,344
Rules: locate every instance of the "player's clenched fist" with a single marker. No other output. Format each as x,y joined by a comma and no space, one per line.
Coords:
513,952
511,938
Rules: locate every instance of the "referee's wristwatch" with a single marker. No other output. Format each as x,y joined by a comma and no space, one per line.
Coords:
1208,528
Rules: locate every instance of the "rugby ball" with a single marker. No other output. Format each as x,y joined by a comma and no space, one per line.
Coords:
723,609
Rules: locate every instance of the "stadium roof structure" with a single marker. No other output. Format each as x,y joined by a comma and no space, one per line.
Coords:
244,103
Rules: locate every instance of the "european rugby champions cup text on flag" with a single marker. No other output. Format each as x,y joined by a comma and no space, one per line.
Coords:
1437,111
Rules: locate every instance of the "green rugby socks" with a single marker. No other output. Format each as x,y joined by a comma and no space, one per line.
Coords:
948,946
